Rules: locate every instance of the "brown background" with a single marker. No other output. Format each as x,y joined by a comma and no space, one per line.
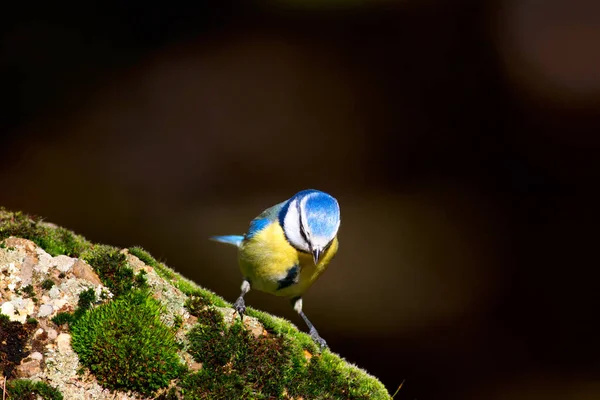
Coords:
460,137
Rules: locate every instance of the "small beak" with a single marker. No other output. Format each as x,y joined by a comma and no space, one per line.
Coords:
317,253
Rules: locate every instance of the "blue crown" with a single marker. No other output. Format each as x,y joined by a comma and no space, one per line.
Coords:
321,210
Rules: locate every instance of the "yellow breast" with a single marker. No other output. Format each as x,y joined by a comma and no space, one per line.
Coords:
266,258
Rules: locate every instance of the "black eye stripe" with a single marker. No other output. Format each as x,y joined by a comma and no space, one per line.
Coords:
300,224
303,234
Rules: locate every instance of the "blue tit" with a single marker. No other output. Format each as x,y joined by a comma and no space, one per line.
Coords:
287,247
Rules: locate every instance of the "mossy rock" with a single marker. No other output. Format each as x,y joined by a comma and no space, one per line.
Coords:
24,389
127,345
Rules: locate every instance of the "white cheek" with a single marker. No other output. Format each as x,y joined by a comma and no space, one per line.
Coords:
291,227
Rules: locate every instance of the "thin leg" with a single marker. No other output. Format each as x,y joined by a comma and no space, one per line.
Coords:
297,304
240,305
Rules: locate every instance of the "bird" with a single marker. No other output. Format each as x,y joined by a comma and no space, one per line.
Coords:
286,248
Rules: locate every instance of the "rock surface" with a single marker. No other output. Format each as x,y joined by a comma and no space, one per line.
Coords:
48,354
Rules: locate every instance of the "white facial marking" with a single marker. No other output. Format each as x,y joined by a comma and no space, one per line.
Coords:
291,227
303,216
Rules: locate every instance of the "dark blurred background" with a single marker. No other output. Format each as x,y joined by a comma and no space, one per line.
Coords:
460,137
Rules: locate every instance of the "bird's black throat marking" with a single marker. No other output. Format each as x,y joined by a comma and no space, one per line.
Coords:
293,274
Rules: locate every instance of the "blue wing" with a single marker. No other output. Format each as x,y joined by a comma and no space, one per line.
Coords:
264,219
235,240
256,225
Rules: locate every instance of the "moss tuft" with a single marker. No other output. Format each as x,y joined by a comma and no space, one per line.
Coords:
54,240
24,389
195,304
171,394
140,280
86,299
204,295
147,259
126,346
177,322
47,284
329,375
238,365
28,291
235,364
112,268
62,318
144,256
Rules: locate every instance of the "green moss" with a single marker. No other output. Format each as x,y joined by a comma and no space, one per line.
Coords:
62,318
163,271
172,394
28,291
86,299
125,344
328,376
62,241
47,284
144,256
166,273
235,364
140,280
238,365
195,304
52,239
24,389
177,321
206,296
276,325
112,268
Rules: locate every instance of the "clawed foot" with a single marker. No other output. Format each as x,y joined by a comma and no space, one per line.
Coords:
240,307
318,339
